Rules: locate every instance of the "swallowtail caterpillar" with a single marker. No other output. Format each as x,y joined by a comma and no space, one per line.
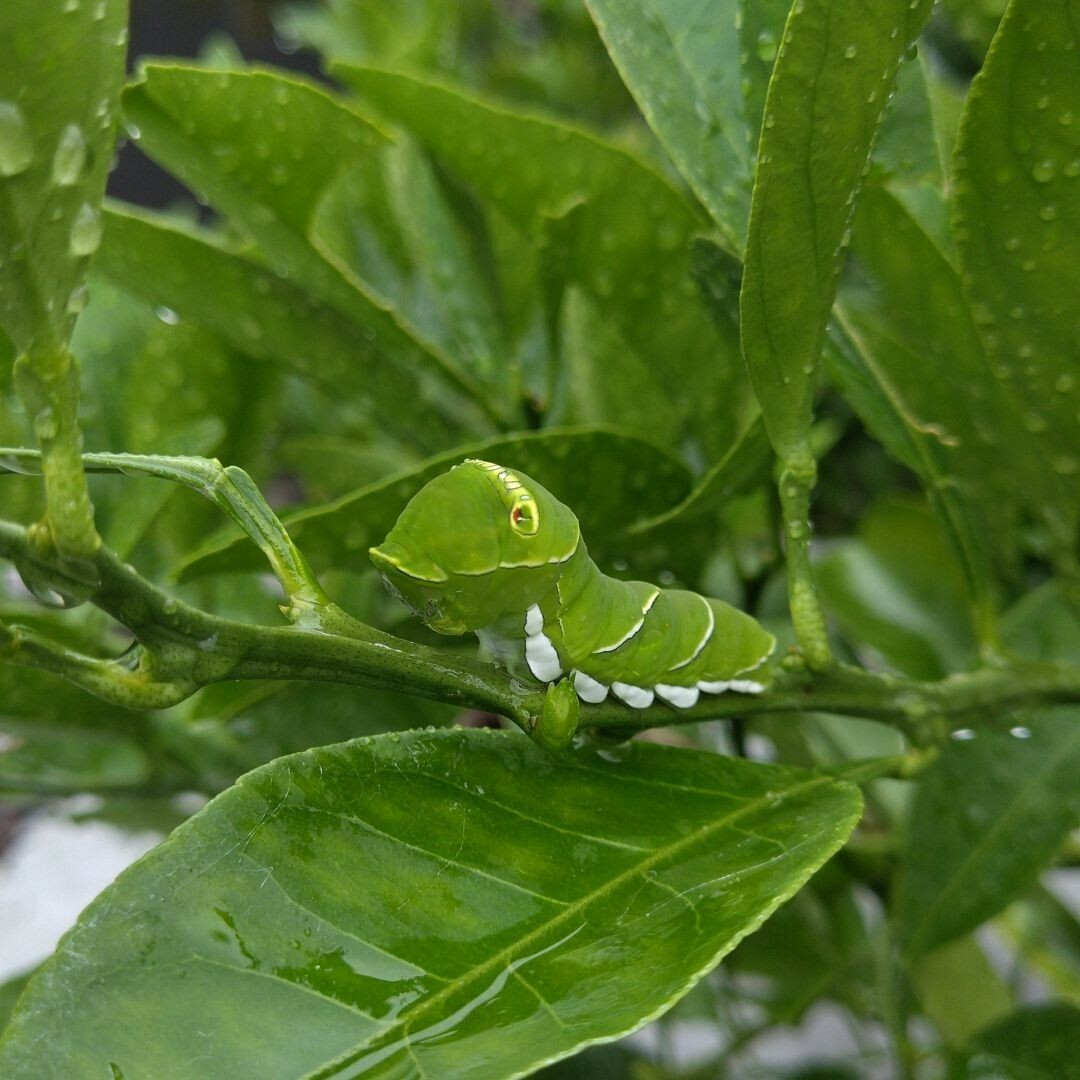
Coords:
485,548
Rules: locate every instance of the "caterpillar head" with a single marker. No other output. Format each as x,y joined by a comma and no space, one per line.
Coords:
476,543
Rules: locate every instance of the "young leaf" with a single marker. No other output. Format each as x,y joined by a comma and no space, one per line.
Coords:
681,62
827,95
310,921
57,125
988,816
1018,231
339,534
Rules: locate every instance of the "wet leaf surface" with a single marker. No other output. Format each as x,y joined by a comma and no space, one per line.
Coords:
988,816
56,141
681,62
311,922
620,230
826,98
1018,232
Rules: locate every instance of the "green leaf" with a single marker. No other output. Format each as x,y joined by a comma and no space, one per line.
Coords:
959,990
743,467
474,939
988,816
195,274
1036,1042
906,149
389,222
602,379
57,128
9,994
861,358
623,232
210,128
680,59
1018,231
626,478
826,98
898,590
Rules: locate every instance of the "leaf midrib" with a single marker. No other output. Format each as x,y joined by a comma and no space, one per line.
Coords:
509,953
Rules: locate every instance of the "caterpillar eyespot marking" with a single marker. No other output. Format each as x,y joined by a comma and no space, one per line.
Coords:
543,608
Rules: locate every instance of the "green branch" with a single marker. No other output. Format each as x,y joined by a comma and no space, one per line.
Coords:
180,649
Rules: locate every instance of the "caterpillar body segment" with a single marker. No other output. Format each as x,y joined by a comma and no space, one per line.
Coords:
487,549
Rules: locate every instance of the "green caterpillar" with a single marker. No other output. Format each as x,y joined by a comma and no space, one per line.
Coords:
487,549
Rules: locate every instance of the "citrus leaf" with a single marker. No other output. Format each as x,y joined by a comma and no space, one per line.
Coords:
622,231
988,816
826,98
1017,225
310,922
264,149
194,274
680,59
1036,1042
56,139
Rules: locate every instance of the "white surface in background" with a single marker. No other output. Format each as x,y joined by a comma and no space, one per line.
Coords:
51,872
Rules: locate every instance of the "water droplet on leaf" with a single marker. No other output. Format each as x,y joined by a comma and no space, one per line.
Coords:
70,156
16,146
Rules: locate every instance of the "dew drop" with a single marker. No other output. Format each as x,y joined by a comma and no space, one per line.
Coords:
46,425
70,156
851,52
1020,732
1047,212
77,300
167,315
85,231
16,146
964,734
766,46
1043,171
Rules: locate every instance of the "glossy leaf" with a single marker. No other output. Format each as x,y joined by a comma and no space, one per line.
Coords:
897,589
56,139
680,59
210,128
827,95
743,467
603,380
339,534
329,929
9,994
389,222
1018,231
623,231
1037,1042
906,149
192,273
997,807
861,357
